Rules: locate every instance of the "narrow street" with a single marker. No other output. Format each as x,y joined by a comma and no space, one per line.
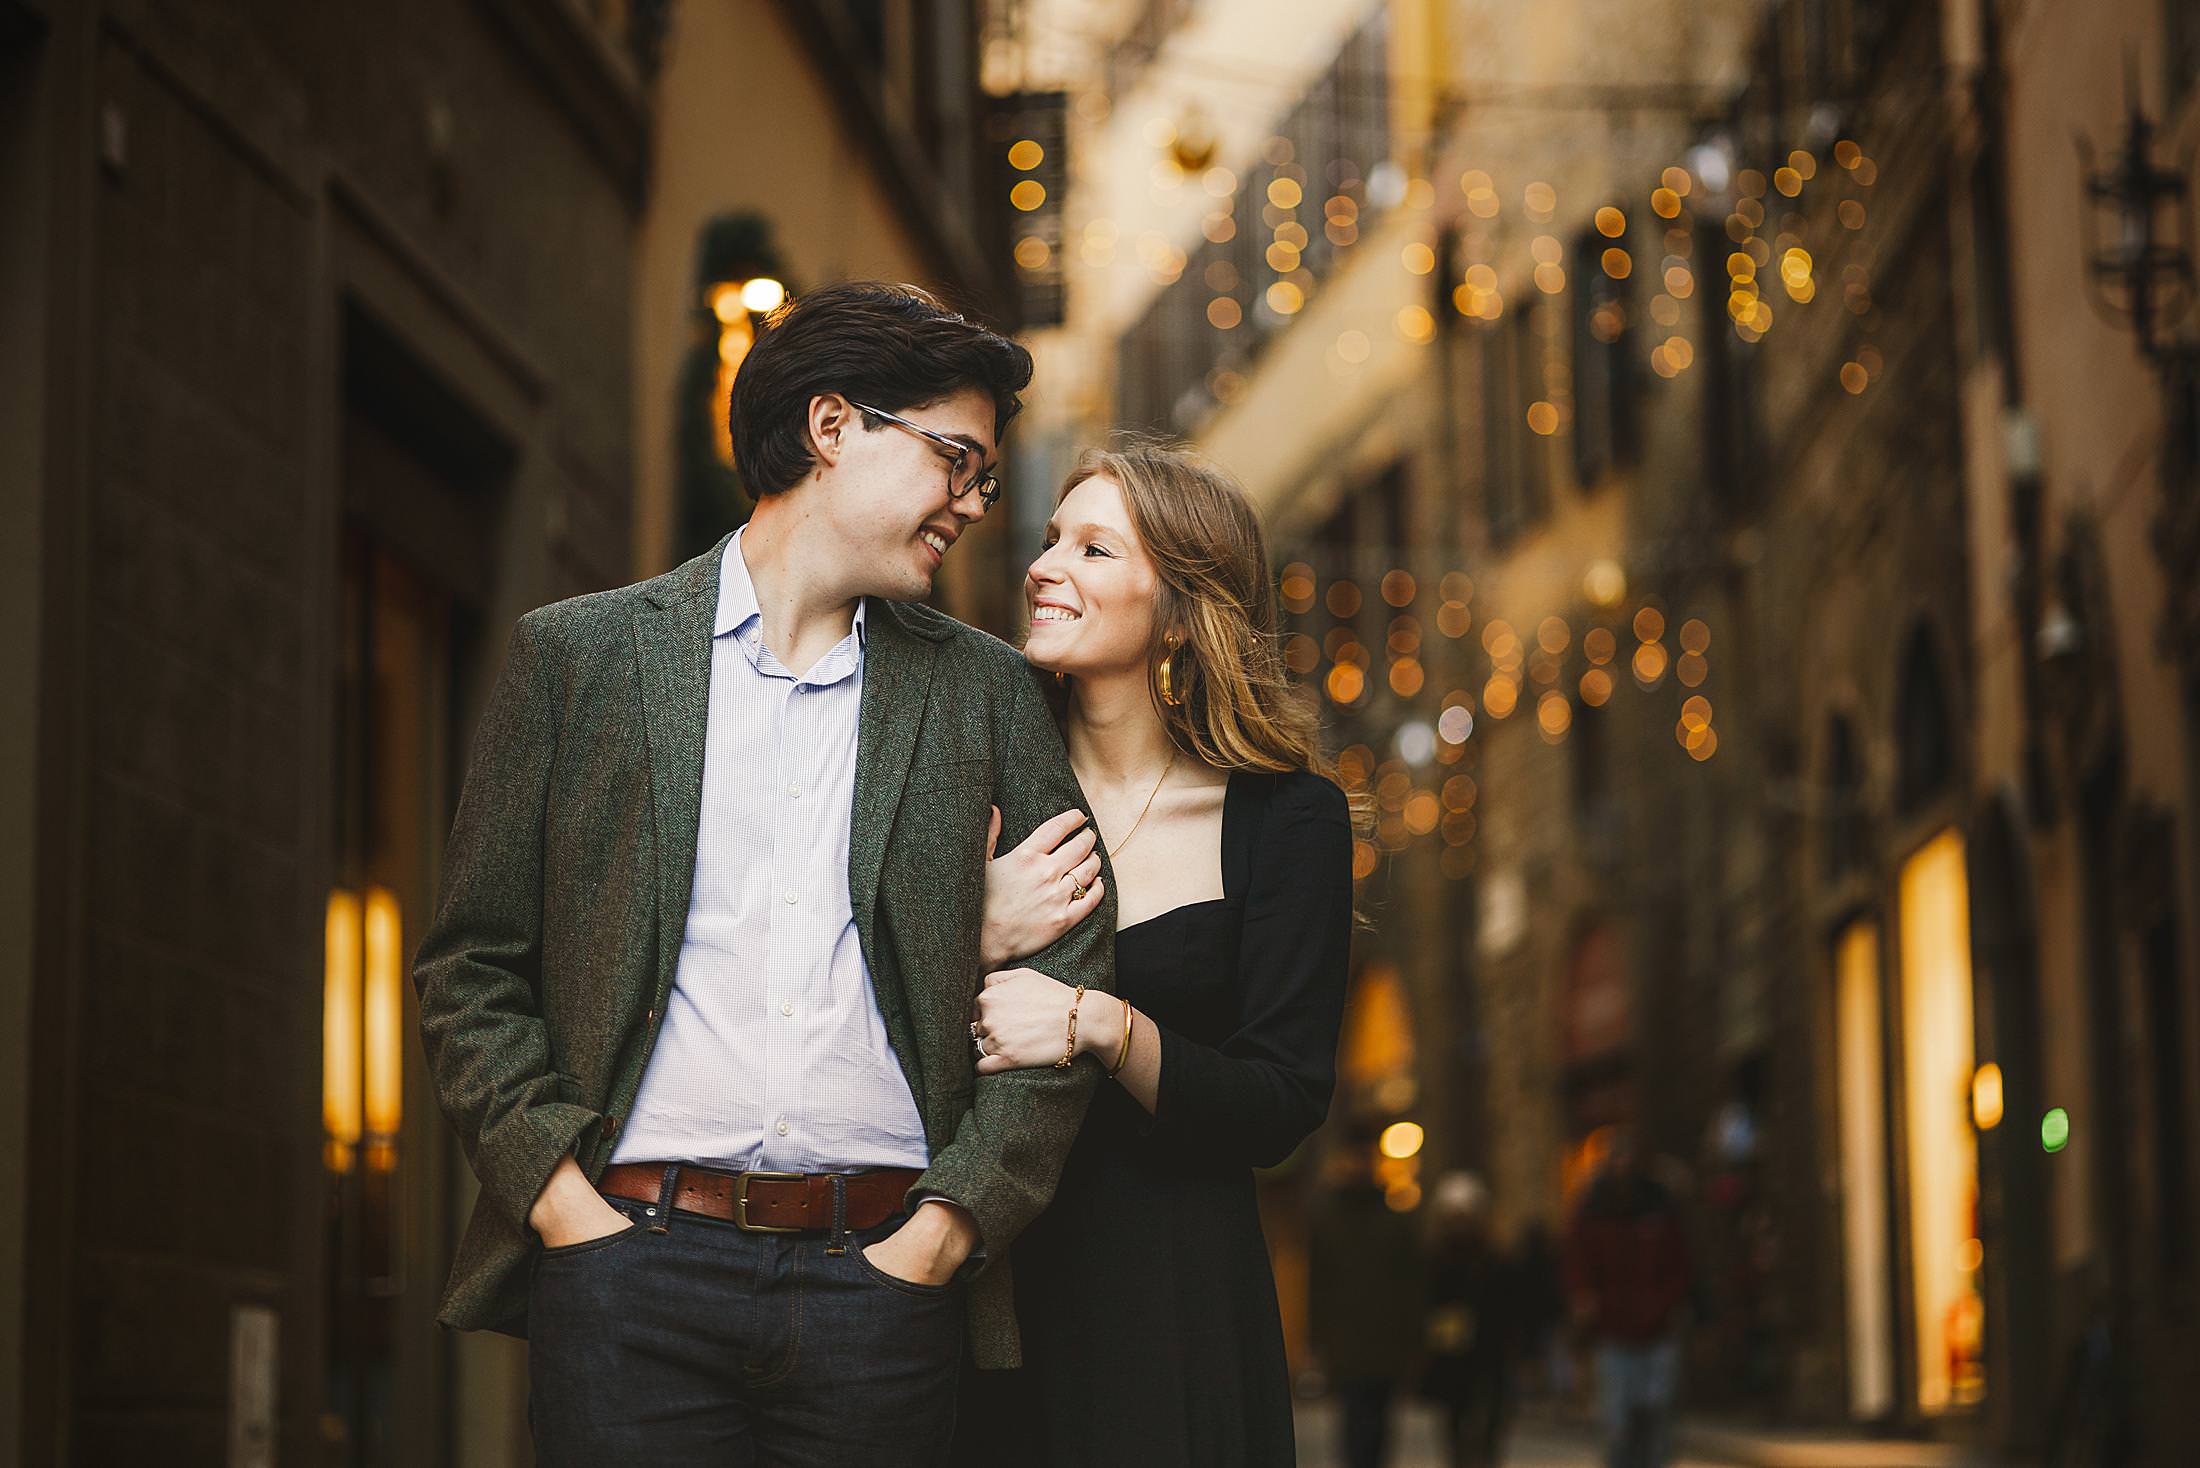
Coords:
1631,566
1544,1441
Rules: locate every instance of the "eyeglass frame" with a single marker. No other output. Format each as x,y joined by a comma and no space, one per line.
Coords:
987,485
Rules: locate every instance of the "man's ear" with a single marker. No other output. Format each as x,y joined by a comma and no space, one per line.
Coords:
831,420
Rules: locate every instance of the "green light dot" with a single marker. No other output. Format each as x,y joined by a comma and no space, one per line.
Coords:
2055,1130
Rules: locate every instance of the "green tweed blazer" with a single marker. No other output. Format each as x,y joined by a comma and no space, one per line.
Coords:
543,977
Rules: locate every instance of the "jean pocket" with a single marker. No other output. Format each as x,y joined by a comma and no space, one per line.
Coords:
894,1282
595,1245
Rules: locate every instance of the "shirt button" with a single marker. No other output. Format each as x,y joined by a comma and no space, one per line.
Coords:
794,792
786,1007
784,1128
793,897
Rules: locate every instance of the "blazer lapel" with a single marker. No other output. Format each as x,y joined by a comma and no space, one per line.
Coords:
897,677
672,643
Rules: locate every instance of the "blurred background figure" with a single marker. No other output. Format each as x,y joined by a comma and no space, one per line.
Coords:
1628,1275
1544,1361
1475,1321
1365,1287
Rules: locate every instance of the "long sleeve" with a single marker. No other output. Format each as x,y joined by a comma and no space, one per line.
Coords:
1259,1093
1008,1152
480,961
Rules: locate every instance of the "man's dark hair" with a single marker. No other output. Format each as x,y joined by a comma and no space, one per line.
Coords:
892,346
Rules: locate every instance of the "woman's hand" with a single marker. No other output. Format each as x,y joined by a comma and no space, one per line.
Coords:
1029,892
1022,1020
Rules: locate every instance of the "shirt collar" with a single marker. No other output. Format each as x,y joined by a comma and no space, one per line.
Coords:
738,611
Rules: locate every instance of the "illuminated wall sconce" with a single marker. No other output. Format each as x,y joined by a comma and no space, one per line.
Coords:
739,280
342,1101
1986,1098
362,1030
735,305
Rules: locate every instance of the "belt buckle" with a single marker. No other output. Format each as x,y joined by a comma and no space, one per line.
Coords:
741,1202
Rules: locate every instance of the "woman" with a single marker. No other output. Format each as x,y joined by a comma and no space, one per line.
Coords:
1148,1312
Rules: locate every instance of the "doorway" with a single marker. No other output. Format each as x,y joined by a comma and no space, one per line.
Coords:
422,482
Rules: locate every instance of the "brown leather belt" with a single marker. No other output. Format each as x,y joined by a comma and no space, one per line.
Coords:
765,1202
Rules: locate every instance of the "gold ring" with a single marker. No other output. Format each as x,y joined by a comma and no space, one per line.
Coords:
1076,891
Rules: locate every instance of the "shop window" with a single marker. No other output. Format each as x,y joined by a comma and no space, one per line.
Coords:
1860,1071
1946,1253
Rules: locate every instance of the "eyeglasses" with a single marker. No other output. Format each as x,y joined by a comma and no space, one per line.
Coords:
967,471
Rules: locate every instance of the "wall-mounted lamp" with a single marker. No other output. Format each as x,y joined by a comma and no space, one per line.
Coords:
2138,238
362,1030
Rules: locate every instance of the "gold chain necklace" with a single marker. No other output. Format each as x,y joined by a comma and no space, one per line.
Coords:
1117,849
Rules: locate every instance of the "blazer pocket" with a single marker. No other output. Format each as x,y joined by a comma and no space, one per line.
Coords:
949,774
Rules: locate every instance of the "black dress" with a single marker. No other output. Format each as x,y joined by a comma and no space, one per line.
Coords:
1148,1312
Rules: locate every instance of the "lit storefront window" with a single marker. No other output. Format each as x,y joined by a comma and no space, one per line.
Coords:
1860,1058
1945,1252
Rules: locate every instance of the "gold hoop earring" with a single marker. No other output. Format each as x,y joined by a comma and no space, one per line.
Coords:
1169,695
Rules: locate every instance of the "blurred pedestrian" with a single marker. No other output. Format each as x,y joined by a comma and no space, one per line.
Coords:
1151,1332
1544,1353
1628,1275
1366,1289
1474,1322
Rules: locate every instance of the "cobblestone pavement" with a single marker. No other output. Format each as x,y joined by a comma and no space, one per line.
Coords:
1548,1442
1415,1442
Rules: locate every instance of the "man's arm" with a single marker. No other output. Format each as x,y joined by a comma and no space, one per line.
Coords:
1007,1153
480,961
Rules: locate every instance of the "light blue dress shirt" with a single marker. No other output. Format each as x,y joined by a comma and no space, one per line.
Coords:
773,1054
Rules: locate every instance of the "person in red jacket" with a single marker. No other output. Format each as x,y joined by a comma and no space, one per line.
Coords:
1628,1275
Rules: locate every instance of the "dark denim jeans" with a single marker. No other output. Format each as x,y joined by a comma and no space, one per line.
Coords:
707,1345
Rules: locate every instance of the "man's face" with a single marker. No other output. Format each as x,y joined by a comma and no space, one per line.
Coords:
889,495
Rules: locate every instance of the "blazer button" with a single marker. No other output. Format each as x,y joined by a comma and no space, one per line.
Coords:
610,1127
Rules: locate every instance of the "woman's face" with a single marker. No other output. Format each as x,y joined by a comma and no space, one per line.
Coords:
1091,593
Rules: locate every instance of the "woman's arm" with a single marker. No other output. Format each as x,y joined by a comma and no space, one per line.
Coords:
1259,1093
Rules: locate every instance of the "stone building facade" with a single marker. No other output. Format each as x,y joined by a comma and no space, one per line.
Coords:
320,330
332,377
1749,582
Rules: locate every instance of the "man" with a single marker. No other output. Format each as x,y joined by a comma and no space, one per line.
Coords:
1627,1269
697,997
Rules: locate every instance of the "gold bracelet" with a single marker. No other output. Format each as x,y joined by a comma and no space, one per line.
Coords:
1069,1051
1123,1056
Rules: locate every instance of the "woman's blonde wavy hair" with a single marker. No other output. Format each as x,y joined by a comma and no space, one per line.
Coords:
1235,707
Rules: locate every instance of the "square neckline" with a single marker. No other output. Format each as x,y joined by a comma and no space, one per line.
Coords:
1232,793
